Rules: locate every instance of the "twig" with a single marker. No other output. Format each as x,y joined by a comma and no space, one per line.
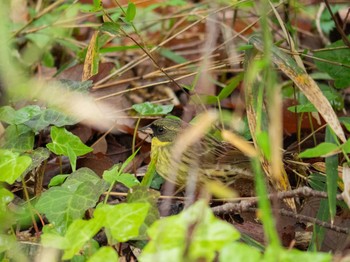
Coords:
313,220
339,28
246,204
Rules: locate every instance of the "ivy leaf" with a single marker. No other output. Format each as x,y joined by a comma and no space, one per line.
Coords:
12,165
19,137
129,180
49,117
115,174
6,197
7,114
104,254
78,233
149,109
67,144
142,194
81,176
208,235
26,113
57,180
63,204
239,251
38,156
122,221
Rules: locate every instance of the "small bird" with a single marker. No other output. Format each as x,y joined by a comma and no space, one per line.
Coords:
206,159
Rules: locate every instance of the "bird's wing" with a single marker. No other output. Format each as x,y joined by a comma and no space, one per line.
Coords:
215,153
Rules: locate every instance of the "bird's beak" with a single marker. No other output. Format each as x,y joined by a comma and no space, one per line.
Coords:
147,130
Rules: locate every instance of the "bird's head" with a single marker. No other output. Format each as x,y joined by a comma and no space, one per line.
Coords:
164,129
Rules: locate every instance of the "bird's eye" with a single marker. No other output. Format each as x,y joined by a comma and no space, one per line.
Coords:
160,129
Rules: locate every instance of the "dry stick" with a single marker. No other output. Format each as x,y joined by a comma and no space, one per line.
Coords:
339,28
246,204
316,221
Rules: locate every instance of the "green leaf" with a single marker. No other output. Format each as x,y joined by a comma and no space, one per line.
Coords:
19,137
339,68
110,27
49,117
12,165
115,174
149,109
97,5
48,60
326,20
239,252
57,180
122,221
81,176
26,113
346,146
319,231
7,114
142,194
308,107
80,232
38,155
320,150
151,170
111,174
208,235
130,12
345,121
157,181
104,254
332,176
52,238
128,180
279,254
317,181
232,85
5,197
63,204
128,160
65,143
264,144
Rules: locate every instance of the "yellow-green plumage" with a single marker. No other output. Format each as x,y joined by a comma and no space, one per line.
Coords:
206,159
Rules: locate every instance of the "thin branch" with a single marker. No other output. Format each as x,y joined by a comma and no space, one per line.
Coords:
246,204
339,28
